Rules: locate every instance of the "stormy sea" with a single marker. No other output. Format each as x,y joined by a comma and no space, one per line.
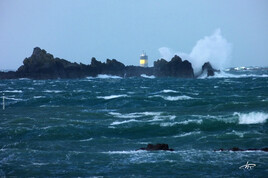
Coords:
92,127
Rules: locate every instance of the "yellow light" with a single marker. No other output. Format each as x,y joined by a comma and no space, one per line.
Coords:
143,61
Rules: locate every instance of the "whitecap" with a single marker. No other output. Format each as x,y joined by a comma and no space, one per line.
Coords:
123,122
134,115
168,91
36,97
111,97
78,91
52,91
24,79
229,75
175,98
147,76
151,113
40,164
161,118
125,152
14,99
172,98
101,76
13,91
187,134
170,124
130,115
251,118
240,134
86,140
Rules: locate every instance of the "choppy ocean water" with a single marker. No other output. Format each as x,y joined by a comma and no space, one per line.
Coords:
92,127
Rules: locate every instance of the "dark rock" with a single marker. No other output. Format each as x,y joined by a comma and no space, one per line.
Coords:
159,146
137,71
42,65
207,70
175,68
238,149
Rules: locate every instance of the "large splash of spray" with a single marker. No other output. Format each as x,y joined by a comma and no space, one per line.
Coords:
215,49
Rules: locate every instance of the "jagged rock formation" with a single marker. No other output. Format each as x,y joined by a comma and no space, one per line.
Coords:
207,70
159,146
42,65
175,68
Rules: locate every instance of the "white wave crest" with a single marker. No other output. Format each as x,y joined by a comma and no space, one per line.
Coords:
183,97
125,116
252,117
223,74
147,76
170,124
123,122
176,98
168,91
101,76
187,134
12,91
172,98
86,140
14,99
135,115
53,91
126,152
36,97
111,97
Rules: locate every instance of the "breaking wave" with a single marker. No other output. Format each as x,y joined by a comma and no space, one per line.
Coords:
102,76
174,98
252,118
223,74
111,97
134,115
147,76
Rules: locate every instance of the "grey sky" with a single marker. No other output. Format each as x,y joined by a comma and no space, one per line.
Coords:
77,30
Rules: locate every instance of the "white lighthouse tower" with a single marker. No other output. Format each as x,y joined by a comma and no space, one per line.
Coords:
143,60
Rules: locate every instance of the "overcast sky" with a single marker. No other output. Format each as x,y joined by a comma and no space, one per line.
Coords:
229,32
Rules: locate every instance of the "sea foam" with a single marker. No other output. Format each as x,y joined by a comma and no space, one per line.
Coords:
229,75
108,77
169,91
147,76
176,98
134,115
13,91
111,97
252,118
123,122
172,98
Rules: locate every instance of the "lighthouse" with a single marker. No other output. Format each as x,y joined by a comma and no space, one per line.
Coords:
144,60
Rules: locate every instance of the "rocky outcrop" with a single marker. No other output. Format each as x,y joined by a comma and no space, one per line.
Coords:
175,68
207,70
238,149
42,65
159,146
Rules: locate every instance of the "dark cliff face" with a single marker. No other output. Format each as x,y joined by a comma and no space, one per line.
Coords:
207,70
175,68
42,65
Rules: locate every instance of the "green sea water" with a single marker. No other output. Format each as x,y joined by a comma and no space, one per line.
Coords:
93,126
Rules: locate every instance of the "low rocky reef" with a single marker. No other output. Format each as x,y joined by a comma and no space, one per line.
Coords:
156,147
42,65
